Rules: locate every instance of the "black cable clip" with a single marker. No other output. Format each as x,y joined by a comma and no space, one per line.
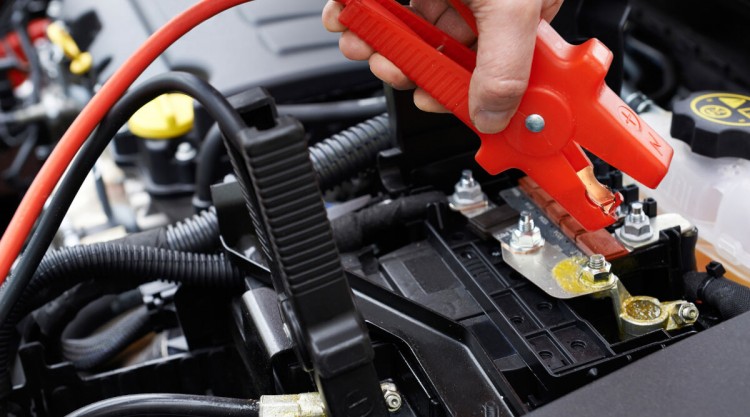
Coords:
158,297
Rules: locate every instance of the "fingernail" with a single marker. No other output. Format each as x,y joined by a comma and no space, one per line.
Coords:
487,121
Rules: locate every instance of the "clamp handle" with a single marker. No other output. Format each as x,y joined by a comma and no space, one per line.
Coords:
566,89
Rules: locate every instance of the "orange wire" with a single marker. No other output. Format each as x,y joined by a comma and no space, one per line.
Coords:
33,202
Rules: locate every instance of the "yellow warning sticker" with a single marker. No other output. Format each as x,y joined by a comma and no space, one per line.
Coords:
723,108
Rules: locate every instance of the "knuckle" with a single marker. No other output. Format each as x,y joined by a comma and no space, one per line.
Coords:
504,88
523,10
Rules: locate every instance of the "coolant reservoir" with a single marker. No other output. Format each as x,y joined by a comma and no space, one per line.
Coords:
709,179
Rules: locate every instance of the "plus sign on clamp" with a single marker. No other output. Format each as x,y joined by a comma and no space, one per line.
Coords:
567,106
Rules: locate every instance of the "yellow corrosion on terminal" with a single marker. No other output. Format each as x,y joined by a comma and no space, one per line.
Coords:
567,272
643,309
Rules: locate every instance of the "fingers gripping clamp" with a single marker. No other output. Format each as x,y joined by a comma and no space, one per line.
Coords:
567,106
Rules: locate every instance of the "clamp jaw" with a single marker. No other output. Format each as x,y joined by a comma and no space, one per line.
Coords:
567,107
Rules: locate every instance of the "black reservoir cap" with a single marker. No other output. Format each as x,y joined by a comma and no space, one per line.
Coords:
714,124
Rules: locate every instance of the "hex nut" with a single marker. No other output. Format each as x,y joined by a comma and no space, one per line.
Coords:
527,237
687,313
637,226
467,193
597,270
392,397
526,241
637,230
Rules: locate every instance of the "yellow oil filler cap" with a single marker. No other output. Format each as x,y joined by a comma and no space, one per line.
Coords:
166,117
80,62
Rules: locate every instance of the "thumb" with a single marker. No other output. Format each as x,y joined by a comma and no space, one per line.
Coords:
507,35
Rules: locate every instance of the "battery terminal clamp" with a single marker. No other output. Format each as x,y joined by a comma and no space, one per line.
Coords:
567,107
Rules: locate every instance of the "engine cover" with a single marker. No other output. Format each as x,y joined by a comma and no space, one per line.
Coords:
280,45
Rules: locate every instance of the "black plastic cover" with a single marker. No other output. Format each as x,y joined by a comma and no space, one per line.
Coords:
704,375
714,124
279,44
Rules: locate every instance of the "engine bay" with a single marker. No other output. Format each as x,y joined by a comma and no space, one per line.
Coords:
259,226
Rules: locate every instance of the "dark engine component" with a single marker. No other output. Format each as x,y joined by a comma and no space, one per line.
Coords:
279,45
341,253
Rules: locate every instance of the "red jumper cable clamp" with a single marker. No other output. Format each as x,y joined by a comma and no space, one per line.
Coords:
567,106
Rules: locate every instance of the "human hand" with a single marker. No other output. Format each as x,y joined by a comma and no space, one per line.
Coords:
505,47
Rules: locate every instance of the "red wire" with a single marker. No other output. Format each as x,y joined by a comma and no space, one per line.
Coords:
33,202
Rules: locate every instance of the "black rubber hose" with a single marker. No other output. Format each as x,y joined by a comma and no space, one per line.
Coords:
198,233
98,312
87,352
217,107
334,111
354,230
215,104
206,168
52,318
345,154
65,268
169,405
728,297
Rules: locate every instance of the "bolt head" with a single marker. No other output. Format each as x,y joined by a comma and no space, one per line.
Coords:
534,123
391,396
467,192
185,152
526,241
597,270
688,313
393,402
637,226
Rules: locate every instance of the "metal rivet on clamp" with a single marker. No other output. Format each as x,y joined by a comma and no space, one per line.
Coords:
535,123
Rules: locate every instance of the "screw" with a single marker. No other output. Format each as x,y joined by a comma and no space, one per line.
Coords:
596,270
535,123
596,261
525,223
527,237
637,226
636,210
688,312
391,395
467,178
185,152
468,193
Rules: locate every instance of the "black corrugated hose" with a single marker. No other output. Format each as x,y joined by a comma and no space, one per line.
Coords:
335,159
169,405
185,267
346,154
198,234
728,297
64,268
